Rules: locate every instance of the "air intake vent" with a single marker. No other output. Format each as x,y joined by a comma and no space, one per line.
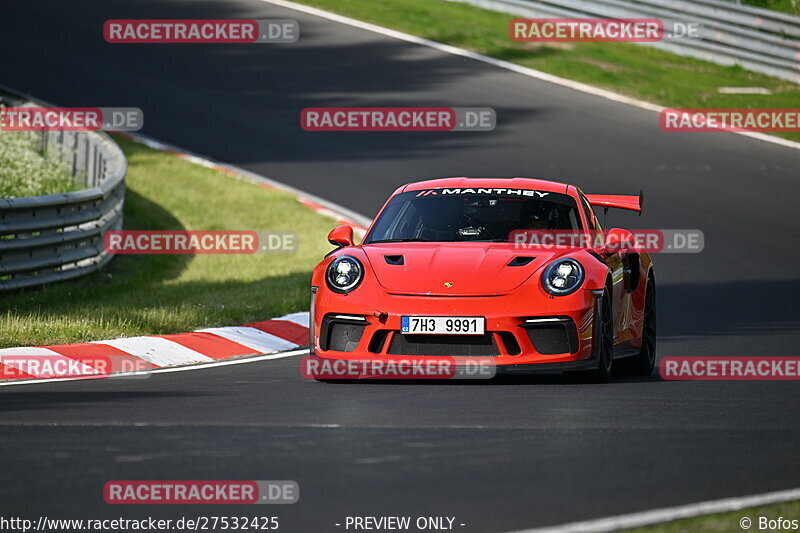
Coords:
394,259
552,335
520,261
439,345
341,333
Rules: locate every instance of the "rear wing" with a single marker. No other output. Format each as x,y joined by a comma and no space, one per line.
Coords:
618,201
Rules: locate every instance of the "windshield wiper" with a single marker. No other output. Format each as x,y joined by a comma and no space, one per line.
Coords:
412,239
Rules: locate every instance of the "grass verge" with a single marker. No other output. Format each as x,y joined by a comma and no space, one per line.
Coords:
787,6
24,171
634,70
727,522
158,294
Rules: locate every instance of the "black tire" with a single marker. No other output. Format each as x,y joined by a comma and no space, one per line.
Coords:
643,363
602,341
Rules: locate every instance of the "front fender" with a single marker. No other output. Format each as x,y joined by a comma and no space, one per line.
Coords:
597,271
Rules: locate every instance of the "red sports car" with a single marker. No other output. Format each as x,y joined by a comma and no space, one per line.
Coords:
457,267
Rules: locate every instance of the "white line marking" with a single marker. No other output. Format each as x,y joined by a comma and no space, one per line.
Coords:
258,340
300,318
185,368
531,73
669,514
157,350
171,424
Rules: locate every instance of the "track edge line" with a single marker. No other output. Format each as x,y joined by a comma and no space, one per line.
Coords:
519,69
669,514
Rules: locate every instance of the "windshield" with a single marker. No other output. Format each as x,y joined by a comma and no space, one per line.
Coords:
457,215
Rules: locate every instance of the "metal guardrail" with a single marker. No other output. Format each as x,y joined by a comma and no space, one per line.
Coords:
60,236
757,39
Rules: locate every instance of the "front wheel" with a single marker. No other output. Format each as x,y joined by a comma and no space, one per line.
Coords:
643,363
602,341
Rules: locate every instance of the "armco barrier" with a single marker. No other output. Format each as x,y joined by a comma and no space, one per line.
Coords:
757,39
60,236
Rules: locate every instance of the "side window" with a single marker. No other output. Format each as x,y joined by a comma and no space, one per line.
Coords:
587,208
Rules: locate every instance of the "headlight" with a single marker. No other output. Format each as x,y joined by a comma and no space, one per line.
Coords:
344,273
562,276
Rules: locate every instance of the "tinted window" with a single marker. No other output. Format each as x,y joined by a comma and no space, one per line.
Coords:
449,215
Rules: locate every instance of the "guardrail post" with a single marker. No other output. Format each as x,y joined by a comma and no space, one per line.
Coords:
86,159
75,154
43,143
94,165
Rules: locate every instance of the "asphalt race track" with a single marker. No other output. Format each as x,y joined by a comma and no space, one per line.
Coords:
497,456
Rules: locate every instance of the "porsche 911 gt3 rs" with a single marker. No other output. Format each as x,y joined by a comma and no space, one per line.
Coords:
442,272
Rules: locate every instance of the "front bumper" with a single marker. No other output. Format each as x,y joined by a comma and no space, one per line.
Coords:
521,328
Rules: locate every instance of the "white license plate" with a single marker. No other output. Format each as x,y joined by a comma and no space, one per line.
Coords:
442,325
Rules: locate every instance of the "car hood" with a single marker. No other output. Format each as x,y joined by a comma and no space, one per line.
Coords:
471,268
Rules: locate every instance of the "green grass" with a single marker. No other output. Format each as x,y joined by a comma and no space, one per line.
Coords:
727,522
630,69
158,294
787,6
25,172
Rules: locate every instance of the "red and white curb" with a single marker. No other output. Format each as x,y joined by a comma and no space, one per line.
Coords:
150,352
267,339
